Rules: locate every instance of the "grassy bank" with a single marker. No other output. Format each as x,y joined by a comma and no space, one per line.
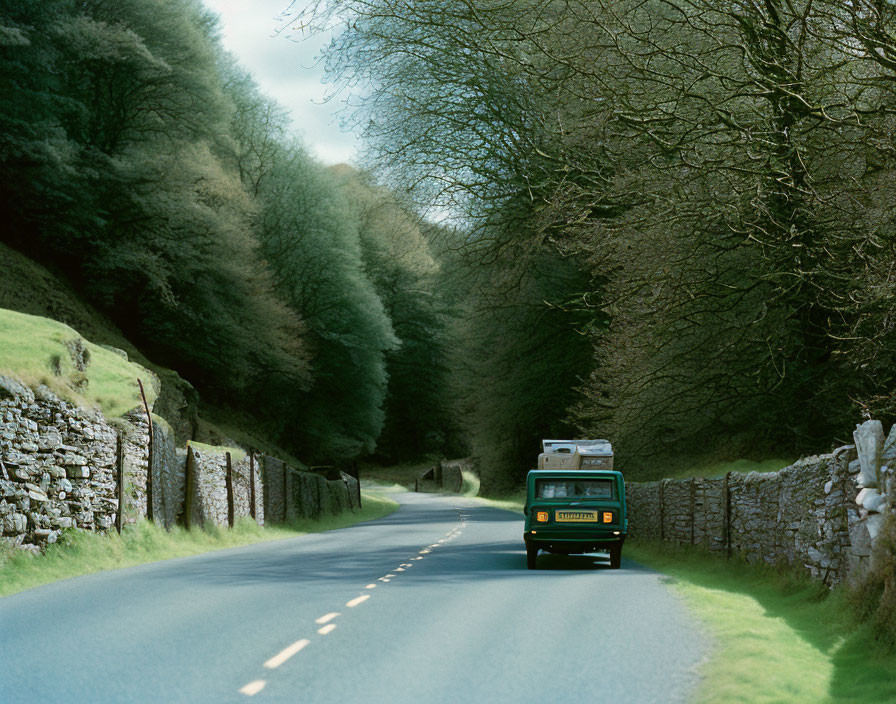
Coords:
777,637
83,552
34,350
509,502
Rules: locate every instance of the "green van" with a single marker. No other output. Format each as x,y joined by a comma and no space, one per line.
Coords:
572,512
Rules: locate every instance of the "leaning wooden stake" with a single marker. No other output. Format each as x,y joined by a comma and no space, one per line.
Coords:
119,463
252,484
726,529
285,492
149,516
662,509
693,506
229,481
357,473
188,487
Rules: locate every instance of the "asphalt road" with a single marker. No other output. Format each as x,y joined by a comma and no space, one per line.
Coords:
431,604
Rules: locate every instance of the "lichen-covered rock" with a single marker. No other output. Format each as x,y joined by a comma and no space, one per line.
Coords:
13,390
874,523
888,455
869,439
60,469
871,499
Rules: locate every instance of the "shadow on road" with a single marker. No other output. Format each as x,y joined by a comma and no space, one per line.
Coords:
366,552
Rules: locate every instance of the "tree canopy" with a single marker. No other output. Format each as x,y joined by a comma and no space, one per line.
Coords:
139,160
717,175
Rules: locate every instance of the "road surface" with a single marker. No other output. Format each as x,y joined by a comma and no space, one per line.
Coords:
431,604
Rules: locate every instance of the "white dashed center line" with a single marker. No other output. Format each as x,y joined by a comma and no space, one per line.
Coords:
286,654
253,688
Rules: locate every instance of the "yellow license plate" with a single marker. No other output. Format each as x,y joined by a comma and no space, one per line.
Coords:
576,517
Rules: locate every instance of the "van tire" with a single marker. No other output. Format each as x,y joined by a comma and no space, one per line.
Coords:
615,557
531,556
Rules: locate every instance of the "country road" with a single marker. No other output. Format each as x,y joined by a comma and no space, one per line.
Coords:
431,604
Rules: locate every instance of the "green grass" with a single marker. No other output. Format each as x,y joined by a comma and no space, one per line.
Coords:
470,485
32,349
720,469
236,454
403,474
85,552
509,502
776,636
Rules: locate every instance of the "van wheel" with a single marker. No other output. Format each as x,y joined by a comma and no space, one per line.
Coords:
531,555
615,557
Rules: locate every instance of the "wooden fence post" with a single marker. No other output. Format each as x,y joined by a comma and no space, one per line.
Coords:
283,467
357,474
727,529
149,512
662,509
252,484
693,506
188,488
228,480
119,462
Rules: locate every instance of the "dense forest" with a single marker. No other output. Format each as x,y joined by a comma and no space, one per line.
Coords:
142,163
678,214
670,222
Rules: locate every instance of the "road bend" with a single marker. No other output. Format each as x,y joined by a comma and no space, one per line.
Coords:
430,604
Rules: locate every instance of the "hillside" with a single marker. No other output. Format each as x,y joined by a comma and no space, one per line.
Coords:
40,312
41,351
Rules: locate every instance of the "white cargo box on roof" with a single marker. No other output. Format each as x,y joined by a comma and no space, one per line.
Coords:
576,454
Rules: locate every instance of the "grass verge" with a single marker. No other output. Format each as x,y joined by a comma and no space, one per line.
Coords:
778,637
509,502
85,552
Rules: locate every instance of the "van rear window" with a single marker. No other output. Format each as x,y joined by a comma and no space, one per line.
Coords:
574,489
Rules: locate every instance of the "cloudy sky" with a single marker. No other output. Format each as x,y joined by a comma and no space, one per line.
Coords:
286,70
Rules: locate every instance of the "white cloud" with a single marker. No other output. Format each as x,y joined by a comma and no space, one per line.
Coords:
288,71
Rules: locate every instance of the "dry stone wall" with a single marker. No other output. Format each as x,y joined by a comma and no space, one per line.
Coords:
59,470
291,493
277,480
57,467
210,501
445,474
821,514
452,473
